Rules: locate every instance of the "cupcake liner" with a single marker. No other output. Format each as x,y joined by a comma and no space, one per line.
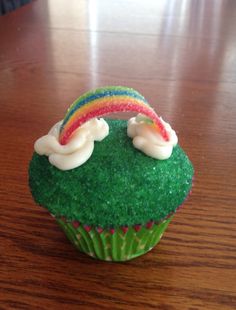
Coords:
121,244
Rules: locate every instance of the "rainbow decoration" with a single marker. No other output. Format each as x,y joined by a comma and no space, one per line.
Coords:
104,101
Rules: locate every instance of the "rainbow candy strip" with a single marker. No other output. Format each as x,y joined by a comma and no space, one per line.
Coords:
104,101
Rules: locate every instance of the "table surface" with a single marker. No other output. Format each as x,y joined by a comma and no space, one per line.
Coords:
181,55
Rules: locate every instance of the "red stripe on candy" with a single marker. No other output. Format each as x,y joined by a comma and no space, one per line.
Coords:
102,111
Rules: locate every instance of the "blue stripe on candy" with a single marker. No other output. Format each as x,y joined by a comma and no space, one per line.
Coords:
102,93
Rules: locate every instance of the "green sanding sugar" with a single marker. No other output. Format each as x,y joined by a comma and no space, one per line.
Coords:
118,185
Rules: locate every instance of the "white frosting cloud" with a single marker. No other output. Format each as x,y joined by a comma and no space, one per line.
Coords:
148,140
78,150
80,147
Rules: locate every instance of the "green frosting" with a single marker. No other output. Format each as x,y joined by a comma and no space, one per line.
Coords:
118,185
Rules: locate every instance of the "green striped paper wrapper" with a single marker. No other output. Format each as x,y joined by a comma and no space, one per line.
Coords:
117,245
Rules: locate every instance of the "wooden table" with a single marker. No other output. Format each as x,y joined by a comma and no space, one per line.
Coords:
181,55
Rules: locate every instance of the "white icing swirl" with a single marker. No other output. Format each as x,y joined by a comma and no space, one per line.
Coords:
78,150
147,140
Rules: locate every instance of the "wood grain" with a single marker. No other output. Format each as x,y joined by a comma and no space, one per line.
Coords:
182,56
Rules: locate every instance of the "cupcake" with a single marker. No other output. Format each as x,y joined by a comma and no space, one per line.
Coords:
113,186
